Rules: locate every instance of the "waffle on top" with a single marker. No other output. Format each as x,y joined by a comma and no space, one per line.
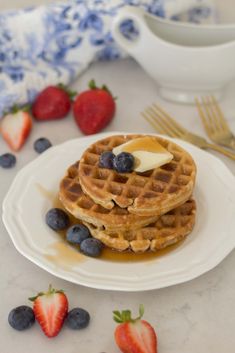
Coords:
84,208
151,193
167,230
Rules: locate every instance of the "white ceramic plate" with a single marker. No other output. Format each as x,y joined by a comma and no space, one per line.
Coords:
30,196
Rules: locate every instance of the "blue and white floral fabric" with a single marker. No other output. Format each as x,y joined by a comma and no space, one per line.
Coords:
55,43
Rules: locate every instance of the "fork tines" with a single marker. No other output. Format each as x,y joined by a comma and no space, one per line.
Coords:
211,114
162,121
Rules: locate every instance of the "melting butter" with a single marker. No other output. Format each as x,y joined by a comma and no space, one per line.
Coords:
148,153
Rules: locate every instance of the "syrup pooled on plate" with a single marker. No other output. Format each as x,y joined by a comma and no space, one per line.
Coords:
65,255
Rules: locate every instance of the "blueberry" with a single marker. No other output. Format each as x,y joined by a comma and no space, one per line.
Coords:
77,233
57,219
41,144
124,162
7,160
106,160
91,247
77,319
21,318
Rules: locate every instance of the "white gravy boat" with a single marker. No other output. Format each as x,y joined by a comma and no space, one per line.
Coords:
186,60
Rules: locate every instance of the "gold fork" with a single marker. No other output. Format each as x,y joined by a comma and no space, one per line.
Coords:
214,122
165,124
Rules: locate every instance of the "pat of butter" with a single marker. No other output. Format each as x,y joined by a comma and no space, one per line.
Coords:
148,153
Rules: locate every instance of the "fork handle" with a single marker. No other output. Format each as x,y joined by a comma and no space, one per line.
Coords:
221,150
232,143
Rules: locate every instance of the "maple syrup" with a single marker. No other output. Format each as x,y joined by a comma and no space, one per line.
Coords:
146,143
64,255
129,256
49,195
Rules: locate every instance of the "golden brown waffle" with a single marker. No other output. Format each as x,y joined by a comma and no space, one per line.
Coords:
154,192
83,207
167,230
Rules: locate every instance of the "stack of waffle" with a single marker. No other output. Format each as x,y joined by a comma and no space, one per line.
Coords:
132,211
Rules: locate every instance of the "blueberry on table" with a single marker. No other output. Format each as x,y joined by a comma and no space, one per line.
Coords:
124,162
41,144
21,318
77,233
57,219
7,160
91,247
106,160
77,319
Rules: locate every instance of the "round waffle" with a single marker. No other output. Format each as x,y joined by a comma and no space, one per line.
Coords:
154,192
83,207
167,230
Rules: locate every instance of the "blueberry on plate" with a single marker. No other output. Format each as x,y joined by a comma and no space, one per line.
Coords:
57,219
91,247
124,162
106,160
77,233
77,319
21,318
7,160
41,144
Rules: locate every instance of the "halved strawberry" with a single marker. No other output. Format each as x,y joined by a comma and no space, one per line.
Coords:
134,335
15,128
50,309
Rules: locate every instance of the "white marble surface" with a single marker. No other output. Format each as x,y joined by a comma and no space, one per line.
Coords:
197,316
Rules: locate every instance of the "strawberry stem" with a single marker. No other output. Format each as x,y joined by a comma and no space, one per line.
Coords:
92,85
50,291
16,108
141,310
70,93
32,299
125,315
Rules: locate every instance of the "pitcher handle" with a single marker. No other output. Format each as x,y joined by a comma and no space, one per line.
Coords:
129,13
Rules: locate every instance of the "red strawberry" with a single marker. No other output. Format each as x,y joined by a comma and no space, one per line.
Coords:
15,127
54,102
50,310
93,109
134,335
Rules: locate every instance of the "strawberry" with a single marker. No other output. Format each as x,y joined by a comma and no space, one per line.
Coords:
134,335
93,109
15,127
54,102
50,310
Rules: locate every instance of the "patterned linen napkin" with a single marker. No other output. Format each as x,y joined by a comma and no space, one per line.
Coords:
55,43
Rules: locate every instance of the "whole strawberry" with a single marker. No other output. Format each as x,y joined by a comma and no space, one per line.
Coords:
134,335
15,127
54,102
94,109
50,309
